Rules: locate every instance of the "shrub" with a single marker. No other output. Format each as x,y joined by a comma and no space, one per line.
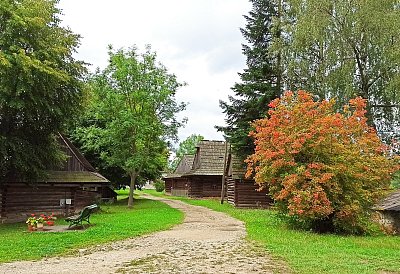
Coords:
159,185
323,168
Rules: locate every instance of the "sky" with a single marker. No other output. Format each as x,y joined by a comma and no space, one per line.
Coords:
197,40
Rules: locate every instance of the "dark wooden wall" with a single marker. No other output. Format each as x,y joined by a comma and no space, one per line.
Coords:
84,198
2,201
73,163
168,185
204,186
22,200
245,194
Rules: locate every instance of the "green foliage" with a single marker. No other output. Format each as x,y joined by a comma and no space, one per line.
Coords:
311,253
159,185
186,147
396,180
344,49
261,80
322,168
114,222
40,86
131,115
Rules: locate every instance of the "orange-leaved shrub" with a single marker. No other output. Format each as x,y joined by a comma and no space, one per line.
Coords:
324,168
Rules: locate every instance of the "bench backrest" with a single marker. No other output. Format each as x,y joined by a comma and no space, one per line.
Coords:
86,211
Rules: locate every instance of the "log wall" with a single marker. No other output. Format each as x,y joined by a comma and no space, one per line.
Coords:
84,198
168,185
245,194
1,202
20,201
23,200
205,186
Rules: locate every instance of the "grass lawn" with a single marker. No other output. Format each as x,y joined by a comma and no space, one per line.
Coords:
114,222
307,252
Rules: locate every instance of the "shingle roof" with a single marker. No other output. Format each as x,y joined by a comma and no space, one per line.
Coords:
209,158
236,168
75,177
391,202
184,166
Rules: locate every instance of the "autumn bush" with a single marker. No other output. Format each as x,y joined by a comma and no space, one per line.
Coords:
325,169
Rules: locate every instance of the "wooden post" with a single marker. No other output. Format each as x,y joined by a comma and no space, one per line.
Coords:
223,174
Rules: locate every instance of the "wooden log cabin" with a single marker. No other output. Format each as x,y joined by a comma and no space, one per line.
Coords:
205,177
62,192
176,184
199,175
242,192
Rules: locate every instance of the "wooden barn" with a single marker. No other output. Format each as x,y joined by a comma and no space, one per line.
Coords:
200,176
242,192
205,177
62,193
389,213
175,183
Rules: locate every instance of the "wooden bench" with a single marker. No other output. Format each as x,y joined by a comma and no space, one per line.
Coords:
84,215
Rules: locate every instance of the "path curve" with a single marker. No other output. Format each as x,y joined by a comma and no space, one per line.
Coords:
206,242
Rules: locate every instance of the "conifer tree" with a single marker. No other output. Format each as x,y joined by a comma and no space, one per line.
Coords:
260,81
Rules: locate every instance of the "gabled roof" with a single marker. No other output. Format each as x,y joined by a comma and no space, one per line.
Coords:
235,167
209,158
184,165
75,177
391,202
76,153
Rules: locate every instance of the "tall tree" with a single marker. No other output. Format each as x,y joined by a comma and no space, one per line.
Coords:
186,147
324,169
133,114
40,86
261,80
344,49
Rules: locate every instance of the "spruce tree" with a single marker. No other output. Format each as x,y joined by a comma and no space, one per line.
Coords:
260,81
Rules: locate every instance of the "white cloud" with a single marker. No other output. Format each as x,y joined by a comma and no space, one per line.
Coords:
197,40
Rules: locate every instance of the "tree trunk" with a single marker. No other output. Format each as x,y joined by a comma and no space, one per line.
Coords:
132,188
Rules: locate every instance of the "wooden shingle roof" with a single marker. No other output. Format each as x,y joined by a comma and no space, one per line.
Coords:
184,166
235,167
391,202
209,158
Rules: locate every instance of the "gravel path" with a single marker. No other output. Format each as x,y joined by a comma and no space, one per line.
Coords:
206,242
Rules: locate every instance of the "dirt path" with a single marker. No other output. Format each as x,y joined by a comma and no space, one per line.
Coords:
206,242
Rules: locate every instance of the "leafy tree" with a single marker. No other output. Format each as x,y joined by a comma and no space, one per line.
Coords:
261,80
186,147
344,49
132,115
323,168
40,86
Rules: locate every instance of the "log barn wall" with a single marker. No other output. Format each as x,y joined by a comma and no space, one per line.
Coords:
168,185
2,201
84,198
23,200
244,193
204,186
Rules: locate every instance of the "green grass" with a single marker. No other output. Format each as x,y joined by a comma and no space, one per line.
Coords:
114,222
307,252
